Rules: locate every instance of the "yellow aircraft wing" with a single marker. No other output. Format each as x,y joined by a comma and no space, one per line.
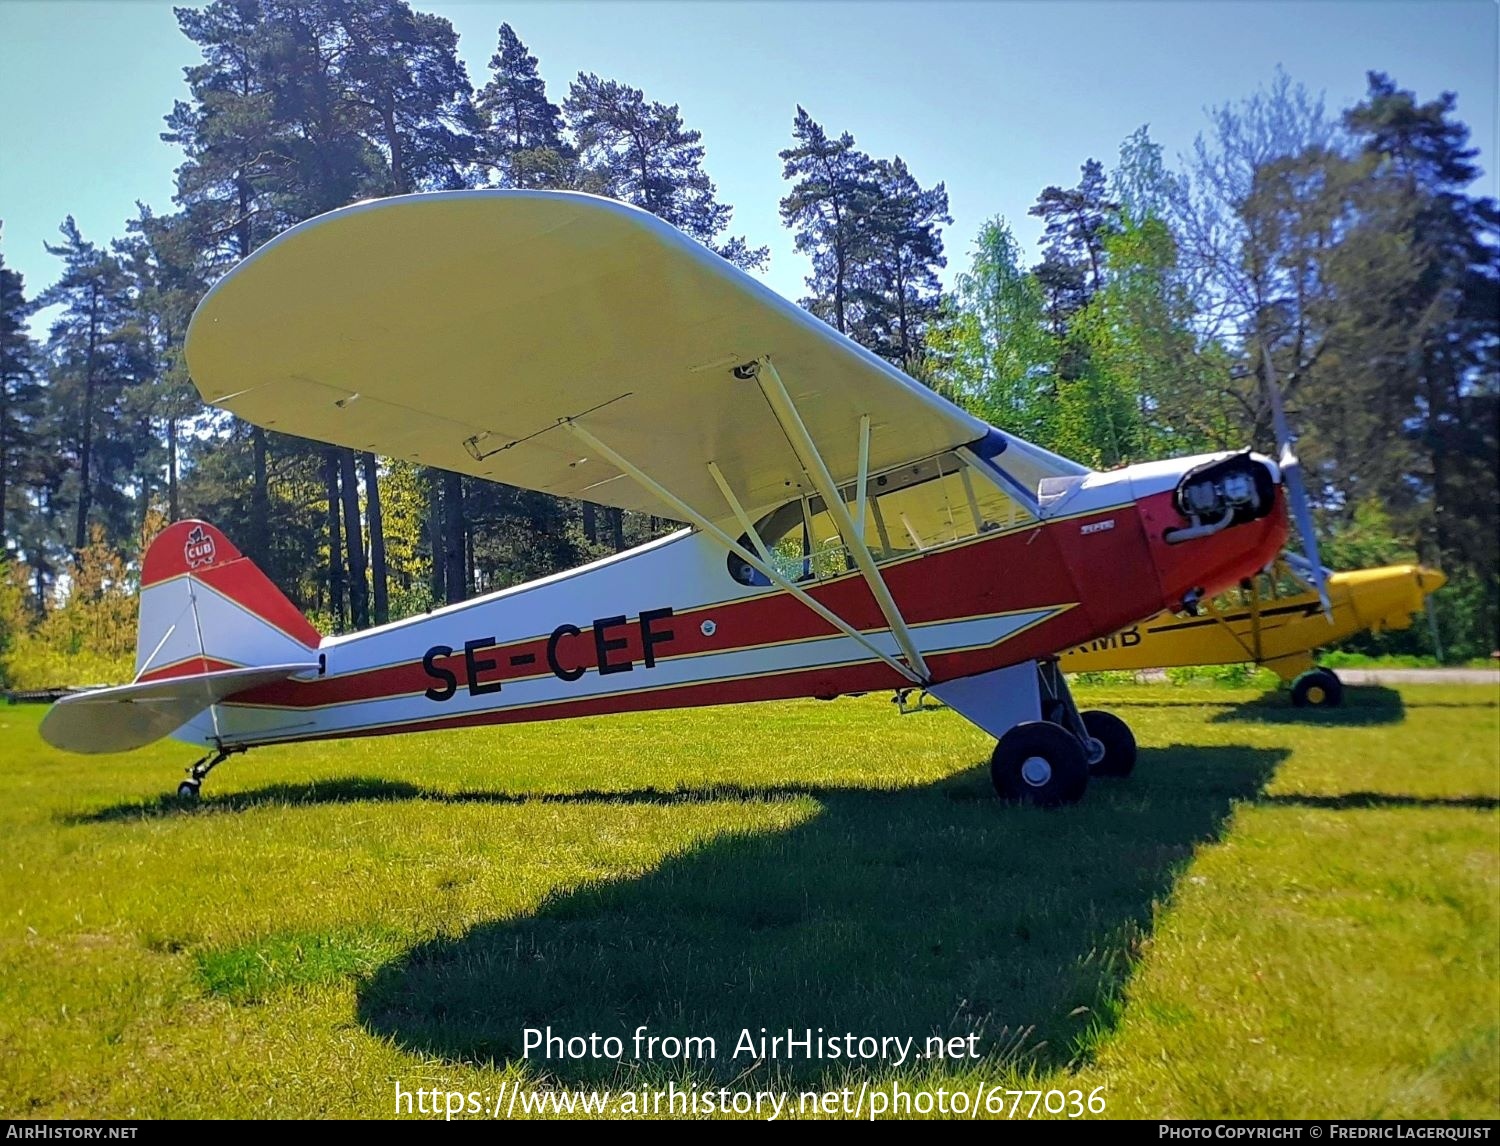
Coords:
456,329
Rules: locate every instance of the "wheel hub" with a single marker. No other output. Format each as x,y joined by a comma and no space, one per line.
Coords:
1316,694
1036,771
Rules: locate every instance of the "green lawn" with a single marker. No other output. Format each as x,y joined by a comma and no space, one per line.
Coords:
1280,914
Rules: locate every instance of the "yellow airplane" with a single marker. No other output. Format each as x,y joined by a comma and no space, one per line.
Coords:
1263,626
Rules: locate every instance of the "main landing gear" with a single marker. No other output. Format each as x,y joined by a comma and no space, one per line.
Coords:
1047,749
1319,688
190,788
1048,762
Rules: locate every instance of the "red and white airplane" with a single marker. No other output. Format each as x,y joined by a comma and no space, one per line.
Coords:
849,530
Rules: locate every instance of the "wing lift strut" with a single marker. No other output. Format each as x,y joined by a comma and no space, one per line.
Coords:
911,665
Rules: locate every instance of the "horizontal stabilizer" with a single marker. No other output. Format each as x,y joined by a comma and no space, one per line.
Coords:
133,715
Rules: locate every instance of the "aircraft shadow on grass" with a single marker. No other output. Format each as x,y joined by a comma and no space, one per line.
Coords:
919,911
1363,705
1356,800
370,790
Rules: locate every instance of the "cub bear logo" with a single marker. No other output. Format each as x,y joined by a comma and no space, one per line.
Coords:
199,549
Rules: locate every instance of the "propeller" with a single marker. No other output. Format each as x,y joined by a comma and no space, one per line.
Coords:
1296,491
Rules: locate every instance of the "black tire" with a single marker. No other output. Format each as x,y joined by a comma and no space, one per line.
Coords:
1319,688
1118,741
188,789
1039,763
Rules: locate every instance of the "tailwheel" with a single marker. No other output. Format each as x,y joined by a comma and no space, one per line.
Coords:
190,788
1039,763
1118,742
1320,688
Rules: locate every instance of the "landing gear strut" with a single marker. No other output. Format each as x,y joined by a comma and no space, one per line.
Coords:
189,788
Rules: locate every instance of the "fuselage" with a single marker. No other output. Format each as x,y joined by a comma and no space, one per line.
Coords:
666,625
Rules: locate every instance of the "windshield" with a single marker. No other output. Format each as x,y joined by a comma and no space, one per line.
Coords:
908,510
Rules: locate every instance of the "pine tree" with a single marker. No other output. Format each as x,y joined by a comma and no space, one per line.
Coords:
641,152
229,184
1450,312
523,129
403,71
404,74
166,283
96,353
1077,222
900,253
20,403
835,185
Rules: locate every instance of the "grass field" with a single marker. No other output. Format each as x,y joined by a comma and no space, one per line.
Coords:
1280,914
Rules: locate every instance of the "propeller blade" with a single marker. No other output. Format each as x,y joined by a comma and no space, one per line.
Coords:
1296,496
1296,491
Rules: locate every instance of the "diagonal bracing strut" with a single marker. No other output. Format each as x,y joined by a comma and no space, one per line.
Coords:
703,522
817,471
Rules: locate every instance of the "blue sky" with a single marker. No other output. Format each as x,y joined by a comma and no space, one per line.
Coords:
997,99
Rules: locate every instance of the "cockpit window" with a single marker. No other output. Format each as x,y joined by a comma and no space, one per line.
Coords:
908,510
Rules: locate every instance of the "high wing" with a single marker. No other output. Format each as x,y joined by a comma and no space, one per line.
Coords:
456,329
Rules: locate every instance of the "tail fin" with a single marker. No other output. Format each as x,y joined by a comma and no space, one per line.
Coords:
205,607
211,625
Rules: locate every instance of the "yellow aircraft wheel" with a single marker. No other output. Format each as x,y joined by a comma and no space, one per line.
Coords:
1319,688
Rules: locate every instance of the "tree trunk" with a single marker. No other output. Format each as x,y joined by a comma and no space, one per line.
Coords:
393,141
453,537
901,312
376,519
469,585
174,507
354,542
438,581
4,458
335,539
590,523
260,502
617,525
86,439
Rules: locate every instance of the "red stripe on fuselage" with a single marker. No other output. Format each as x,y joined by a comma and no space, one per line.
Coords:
1010,572
824,683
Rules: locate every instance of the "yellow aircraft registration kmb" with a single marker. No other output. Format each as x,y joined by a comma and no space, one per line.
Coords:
848,530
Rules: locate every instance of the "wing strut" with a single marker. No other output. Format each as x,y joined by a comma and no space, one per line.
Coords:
751,533
862,481
815,468
688,513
